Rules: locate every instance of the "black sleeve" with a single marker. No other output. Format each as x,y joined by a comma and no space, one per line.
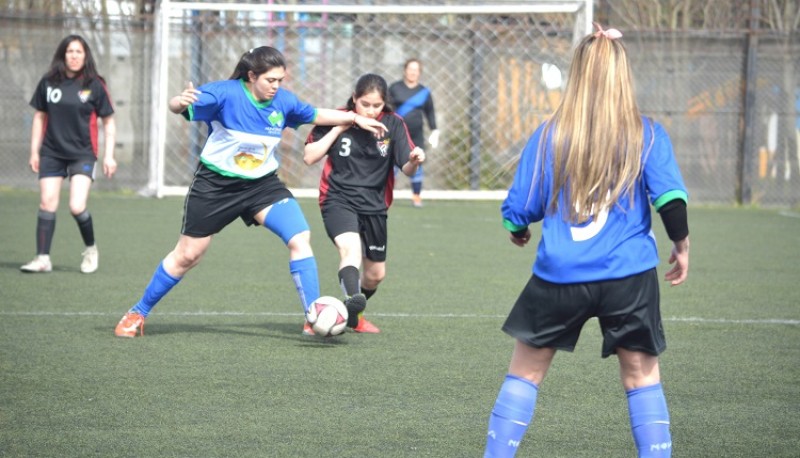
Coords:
675,219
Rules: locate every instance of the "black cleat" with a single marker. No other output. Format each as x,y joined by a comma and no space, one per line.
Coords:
355,306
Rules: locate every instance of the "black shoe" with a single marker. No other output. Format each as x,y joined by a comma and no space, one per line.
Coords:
355,306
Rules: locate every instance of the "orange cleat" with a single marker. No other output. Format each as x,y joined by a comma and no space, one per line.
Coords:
308,330
366,327
130,324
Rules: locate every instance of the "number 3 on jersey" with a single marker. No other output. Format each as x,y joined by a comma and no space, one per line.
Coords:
344,150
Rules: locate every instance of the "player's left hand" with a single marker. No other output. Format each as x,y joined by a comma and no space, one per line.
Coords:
109,166
417,156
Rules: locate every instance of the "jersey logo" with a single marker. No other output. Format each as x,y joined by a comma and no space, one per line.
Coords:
84,95
276,119
383,146
248,157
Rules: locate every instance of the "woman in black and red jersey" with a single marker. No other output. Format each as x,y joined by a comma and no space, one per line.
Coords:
356,188
64,140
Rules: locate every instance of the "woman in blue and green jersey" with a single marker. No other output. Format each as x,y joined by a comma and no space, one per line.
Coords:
590,174
237,174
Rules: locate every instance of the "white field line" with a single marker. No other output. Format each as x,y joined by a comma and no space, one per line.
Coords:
764,321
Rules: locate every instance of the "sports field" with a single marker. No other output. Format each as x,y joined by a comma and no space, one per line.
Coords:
223,370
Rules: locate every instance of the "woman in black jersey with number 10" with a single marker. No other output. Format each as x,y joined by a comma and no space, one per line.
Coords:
356,189
68,100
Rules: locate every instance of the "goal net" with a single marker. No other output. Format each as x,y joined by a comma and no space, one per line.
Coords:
494,71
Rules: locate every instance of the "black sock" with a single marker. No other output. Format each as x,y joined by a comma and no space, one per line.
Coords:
45,228
349,280
84,220
368,292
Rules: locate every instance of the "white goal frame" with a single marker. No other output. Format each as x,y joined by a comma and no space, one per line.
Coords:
169,10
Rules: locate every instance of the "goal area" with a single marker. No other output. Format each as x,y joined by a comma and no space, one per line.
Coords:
494,71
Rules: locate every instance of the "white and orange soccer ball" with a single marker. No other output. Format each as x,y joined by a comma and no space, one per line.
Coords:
328,316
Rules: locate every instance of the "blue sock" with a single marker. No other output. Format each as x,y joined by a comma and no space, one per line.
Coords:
650,421
158,287
306,279
512,413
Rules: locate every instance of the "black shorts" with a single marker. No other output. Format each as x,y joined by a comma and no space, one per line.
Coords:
552,315
340,218
214,201
57,167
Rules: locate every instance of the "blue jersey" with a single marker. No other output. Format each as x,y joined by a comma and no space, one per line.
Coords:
244,133
619,242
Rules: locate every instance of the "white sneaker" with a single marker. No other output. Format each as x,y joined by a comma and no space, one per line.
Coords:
90,260
40,263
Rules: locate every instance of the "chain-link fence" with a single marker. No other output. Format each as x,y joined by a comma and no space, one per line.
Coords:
493,78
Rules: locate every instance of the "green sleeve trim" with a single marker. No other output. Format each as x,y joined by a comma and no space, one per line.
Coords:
188,113
314,121
670,196
511,227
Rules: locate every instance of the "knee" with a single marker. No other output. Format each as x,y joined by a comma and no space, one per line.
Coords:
300,245
48,204
373,277
77,208
187,257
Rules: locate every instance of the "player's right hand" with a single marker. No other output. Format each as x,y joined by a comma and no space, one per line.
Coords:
189,95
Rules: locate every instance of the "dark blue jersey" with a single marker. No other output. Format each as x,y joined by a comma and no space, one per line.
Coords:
72,111
619,241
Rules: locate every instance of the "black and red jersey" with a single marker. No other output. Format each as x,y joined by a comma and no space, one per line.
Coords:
359,169
72,111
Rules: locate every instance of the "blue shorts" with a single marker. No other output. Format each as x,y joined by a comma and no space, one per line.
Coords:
552,315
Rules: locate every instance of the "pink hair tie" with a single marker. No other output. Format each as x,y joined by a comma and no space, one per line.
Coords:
611,34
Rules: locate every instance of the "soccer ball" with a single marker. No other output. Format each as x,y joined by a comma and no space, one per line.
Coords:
328,316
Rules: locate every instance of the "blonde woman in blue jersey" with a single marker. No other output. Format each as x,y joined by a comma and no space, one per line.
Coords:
237,174
590,174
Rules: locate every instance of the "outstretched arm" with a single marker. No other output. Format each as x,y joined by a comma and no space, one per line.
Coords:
330,117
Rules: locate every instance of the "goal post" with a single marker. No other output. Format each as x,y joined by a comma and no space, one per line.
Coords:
494,71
